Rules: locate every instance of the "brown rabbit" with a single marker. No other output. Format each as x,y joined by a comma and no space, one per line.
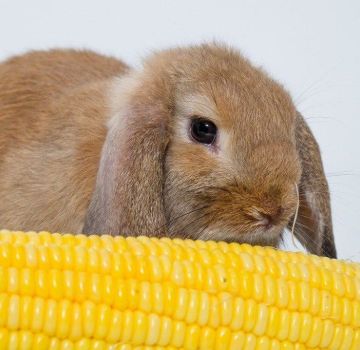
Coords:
197,144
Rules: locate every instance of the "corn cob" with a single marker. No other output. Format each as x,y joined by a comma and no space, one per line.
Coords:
102,292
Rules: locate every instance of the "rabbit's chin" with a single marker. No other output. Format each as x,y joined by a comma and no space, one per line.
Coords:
258,236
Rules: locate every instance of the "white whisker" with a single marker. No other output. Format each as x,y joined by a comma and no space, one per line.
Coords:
296,216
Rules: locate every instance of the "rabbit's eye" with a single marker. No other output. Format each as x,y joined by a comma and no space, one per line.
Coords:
203,130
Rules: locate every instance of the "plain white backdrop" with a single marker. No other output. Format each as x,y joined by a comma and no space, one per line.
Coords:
311,47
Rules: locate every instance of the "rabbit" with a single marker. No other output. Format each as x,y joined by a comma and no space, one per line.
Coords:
198,143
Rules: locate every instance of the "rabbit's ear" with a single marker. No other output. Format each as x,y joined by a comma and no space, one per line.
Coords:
313,226
128,195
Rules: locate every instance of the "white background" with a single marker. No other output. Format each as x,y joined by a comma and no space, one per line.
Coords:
312,47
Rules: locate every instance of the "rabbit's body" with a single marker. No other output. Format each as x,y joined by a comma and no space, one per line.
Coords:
198,144
53,115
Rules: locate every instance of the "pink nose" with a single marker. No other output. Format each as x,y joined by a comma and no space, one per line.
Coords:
269,218
266,221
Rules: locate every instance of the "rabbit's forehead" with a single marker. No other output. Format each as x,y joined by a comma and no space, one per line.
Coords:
198,104
242,111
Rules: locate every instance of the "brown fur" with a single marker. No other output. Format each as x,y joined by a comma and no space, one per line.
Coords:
86,144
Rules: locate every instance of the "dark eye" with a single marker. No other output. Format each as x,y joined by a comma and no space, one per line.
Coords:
203,130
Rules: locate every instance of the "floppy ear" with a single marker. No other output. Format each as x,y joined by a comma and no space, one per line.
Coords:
313,227
128,195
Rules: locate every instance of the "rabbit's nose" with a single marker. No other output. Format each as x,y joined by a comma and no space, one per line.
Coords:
268,218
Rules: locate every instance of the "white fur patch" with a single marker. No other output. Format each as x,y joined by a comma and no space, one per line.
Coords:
197,104
119,94
256,236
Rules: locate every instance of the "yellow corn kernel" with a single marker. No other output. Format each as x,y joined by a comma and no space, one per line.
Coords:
63,292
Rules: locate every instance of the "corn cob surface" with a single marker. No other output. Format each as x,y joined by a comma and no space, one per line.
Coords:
102,292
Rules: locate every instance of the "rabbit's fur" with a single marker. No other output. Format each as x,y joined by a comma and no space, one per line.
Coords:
88,144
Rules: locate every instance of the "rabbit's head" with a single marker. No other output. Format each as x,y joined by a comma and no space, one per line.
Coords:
203,145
